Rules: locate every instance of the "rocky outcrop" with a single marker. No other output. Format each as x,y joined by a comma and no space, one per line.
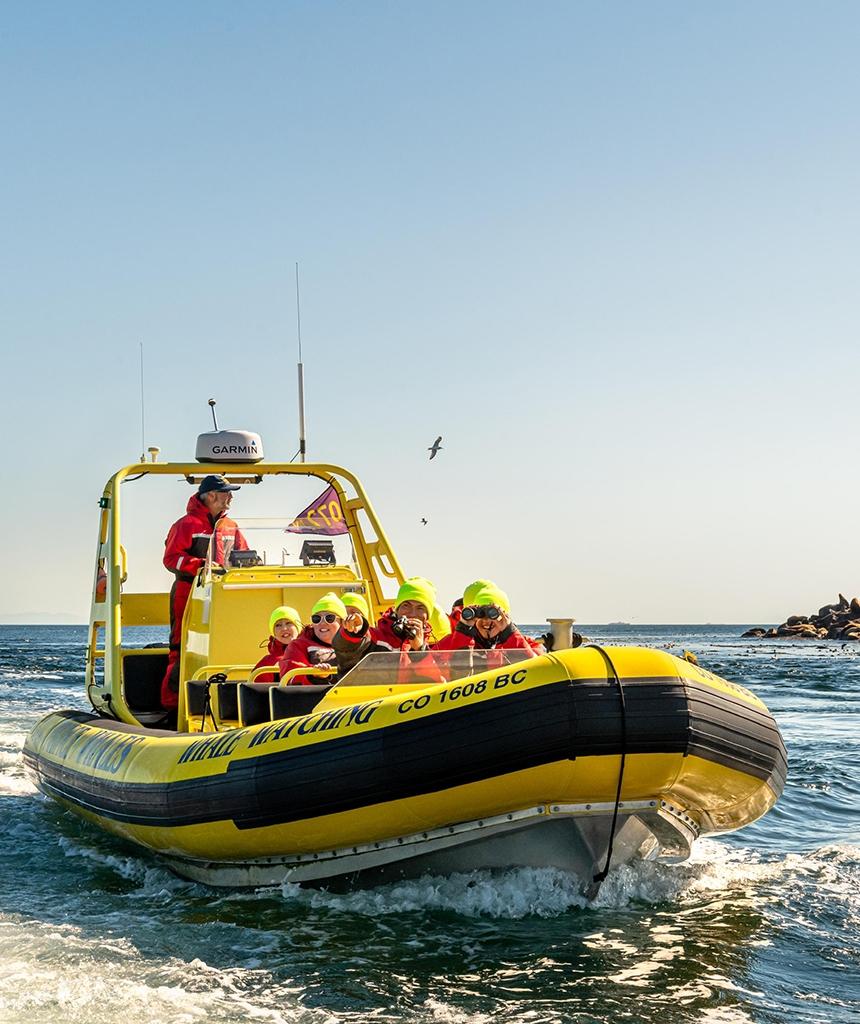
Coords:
839,621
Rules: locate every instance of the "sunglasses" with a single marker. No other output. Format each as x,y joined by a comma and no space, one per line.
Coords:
328,617
486,611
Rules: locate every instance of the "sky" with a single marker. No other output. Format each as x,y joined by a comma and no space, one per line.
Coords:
607,250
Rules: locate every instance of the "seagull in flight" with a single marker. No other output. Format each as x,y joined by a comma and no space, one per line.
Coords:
436,447
423,522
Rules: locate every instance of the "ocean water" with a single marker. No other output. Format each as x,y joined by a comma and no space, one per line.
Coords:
759,926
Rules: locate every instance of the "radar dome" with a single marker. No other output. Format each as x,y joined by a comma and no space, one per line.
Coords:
229,446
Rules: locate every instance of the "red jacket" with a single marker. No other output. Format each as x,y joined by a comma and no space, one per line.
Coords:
276,651
413,669
383,631
188,540
306,649
511,639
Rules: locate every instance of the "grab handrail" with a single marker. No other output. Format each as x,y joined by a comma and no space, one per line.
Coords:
307,670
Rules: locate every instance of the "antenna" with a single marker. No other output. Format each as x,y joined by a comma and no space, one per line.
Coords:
212,407
302,445
142,415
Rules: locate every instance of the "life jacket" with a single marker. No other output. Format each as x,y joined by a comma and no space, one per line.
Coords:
301,652
275,651
384,631
464,637
188,541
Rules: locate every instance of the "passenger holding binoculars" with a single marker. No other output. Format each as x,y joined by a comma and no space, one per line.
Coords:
411,625
485,623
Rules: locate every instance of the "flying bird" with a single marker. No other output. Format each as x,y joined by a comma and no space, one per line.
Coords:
423,522
436,447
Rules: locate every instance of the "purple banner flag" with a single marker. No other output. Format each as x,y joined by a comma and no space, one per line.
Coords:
323,516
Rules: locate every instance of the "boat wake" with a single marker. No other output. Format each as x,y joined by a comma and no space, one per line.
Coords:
277,954
714,869
547,892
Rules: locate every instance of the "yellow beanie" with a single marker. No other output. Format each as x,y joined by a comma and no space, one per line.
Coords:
472,589
329,602
285,612
491,594
358,602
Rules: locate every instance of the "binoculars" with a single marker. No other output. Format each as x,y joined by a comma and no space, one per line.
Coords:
485,611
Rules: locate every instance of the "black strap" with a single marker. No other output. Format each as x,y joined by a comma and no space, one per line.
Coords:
207,707
599,877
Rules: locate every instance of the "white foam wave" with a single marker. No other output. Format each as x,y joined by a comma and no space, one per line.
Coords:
714,866
55,972
541,892
439,1011
126,867
13,779
13,784
546,892
152,880
18,675
516,893
725,1015
14,739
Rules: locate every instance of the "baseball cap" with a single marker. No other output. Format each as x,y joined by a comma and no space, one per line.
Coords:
215,482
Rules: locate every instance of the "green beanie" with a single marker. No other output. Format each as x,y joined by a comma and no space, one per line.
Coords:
472,589
329,602
416,588
357,602
440,624
285,612
491,594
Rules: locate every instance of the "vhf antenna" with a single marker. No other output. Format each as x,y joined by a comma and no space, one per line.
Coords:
142,417
302,445
212,407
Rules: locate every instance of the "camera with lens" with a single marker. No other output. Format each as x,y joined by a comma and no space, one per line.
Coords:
403,628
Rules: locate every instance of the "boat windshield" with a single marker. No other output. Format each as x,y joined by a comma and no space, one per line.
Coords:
271,543
268,511
417,668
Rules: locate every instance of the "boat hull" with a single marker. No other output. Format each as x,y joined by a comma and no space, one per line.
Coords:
558,761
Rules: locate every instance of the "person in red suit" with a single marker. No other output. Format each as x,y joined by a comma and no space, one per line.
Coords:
485,624
314,645
203,532
285,624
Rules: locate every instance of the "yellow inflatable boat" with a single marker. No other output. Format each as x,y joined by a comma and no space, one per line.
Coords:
581,759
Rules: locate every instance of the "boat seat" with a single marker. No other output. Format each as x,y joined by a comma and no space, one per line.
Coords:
141,683
265,702
253,700
228,701
222,696
196,696
294,701
154,719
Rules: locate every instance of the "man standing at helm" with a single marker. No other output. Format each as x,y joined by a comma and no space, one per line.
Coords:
204,531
